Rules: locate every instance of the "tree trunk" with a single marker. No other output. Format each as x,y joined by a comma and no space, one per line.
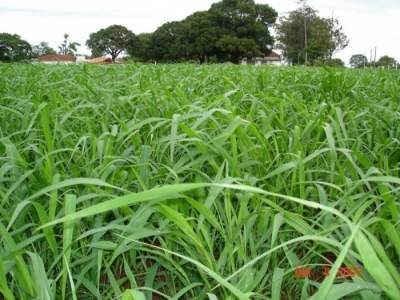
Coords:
235,58
201,59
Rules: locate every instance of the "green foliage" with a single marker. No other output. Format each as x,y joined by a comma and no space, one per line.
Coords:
42,49
359,61
244,28
228,31
198,182
386,62
13,48
303,35
198,35
334,62
113,40
163,44
143,52
68,47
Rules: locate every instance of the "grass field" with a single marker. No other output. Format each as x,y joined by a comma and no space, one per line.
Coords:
198,182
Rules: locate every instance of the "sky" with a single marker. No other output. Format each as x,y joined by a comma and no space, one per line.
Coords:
367,23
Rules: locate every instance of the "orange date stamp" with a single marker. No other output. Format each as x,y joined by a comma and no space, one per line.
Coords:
347,272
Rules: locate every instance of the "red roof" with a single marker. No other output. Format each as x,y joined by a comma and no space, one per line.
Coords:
100,60
272,54
56,57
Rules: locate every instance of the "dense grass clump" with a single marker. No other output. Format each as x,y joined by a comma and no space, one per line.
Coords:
198,182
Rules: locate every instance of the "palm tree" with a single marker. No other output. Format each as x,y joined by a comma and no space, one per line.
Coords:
68,48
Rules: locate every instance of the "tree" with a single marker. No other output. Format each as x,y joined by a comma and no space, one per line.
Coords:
68,48
334,62
358,61
198,35
243,28
113,40
163,43
387,62
142,52
13,48
41,49
229,30
339,40
303,35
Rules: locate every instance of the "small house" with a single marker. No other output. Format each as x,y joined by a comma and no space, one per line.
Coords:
56,58
105,60
99,60
271,59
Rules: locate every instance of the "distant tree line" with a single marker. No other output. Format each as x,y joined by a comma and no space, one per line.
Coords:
361,61
15,49
229,31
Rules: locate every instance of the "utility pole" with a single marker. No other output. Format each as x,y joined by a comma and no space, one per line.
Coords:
370,58
364,60
331,51
375,59
304,10
305,35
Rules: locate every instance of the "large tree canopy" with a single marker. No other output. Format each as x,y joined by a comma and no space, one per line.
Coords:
243,28
163,43
358,61
303,36
113,40
13,48
198,35
387,62
229,30
143,51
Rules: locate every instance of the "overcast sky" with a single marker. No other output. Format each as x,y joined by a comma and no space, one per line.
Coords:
367,23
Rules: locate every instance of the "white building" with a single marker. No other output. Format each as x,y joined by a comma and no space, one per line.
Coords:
272,59
80,59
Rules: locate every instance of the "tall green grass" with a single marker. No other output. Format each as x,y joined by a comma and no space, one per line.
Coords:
198,182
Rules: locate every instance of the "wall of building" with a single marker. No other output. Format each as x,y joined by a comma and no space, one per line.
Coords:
261,62
80,59
55,62
276,63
